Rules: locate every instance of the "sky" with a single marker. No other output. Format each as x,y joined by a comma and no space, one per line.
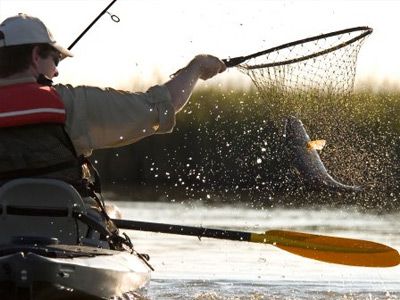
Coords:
154,38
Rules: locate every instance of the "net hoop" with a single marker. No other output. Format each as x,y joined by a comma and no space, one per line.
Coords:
363,29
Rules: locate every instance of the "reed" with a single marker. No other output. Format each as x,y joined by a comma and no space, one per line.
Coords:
229,143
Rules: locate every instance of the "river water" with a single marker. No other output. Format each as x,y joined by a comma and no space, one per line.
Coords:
189,268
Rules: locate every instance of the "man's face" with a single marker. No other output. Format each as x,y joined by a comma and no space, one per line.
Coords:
48,66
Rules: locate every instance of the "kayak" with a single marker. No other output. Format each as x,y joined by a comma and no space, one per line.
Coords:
49,249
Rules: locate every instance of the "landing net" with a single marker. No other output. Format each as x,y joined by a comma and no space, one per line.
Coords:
324,63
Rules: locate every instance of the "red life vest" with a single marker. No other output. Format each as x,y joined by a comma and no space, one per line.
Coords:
33,140
32,135
30,103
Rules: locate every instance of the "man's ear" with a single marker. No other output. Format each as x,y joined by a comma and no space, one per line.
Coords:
35,56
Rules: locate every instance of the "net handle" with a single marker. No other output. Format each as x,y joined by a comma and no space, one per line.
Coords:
232,62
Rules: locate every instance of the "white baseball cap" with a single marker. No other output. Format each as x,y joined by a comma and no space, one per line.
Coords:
23,29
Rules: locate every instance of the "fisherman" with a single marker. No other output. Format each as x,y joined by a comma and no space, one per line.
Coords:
50,131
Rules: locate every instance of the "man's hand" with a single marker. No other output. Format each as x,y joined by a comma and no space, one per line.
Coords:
182,83
207,65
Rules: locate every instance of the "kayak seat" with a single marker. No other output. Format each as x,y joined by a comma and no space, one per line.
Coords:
33,207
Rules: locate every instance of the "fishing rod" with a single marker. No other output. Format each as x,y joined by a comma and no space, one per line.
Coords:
113,17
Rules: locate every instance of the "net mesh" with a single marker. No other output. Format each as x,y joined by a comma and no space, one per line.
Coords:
324,64
313,80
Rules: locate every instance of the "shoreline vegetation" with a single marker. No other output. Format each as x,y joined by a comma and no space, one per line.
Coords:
228,146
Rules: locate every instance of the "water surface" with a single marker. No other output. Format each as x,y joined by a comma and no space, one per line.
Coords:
189,268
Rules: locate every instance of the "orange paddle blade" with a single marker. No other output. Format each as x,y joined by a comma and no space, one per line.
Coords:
345,251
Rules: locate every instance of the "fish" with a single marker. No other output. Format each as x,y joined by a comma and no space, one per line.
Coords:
304,157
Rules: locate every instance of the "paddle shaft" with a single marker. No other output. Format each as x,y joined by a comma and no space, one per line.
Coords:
184,230
337,250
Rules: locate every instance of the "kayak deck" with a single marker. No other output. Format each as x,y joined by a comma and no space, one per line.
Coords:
52,246
98,272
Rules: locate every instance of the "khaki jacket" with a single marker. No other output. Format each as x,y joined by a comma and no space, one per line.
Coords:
108,118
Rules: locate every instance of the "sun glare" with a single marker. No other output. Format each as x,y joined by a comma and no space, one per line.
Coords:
155,38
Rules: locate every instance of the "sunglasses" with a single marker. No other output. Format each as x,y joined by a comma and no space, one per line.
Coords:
56,58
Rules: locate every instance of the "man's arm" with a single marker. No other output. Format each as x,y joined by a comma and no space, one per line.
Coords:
107,118
184,81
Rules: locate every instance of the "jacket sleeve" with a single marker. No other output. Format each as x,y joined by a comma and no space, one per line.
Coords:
106,118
